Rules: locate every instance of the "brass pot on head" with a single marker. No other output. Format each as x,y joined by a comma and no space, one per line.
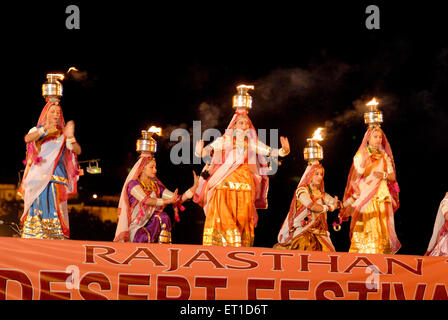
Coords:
243,99
147,143
313,152
52,88
373,117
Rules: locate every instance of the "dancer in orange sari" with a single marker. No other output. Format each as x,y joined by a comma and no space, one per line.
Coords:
237,185
371,196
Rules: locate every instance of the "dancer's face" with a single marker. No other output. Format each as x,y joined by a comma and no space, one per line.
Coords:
53,115
150,169
242,123
376,139
318,177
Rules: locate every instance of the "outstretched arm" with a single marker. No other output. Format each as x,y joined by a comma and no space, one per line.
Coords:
268,151
200,151
138,193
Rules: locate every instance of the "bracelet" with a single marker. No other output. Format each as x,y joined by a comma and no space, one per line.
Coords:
159,202
71,140
188,194
282,152
43,132
69,143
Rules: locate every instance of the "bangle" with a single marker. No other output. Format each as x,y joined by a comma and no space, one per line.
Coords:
43,132
71,140
188,194
159,202
282,152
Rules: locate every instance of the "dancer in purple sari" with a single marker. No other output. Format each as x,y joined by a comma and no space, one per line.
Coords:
142,202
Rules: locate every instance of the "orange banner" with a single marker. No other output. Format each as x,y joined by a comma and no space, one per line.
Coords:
78,270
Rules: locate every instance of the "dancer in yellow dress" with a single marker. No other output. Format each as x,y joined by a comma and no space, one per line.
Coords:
371,195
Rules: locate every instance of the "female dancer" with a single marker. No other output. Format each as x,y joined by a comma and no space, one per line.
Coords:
50,175
371,196
143,198
305,227
237,185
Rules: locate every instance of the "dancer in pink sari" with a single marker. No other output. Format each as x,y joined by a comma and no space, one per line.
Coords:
371,196
50,176
438,245
237,184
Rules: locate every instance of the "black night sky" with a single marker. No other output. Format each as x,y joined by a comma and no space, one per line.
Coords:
171,64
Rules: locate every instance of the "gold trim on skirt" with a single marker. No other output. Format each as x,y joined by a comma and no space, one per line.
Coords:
230,215
308,240
371,231
36,228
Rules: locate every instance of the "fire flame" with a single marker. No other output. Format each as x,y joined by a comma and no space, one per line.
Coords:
372,102
71,69
156,130
244,86
317,135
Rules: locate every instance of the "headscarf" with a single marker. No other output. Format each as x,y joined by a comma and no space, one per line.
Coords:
42,172
221,167
124,208
284,235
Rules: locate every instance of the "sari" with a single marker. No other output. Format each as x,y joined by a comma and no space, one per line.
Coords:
303,229
50,178
236,188
374,200
137,221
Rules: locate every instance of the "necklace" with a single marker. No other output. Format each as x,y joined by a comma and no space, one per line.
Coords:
148,184
374,152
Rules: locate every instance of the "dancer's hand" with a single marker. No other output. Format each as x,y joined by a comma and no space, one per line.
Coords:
199,148
285,144
336,206
172,200
69,130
